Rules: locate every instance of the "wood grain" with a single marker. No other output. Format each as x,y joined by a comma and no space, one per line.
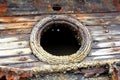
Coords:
18,59
14,45
15,52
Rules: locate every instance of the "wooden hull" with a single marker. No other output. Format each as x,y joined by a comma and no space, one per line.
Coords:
17,60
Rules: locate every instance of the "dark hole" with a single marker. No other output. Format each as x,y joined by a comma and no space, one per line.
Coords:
60,40
56,7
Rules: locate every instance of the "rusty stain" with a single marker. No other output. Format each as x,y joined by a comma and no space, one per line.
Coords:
1,74
49,8
116,4
12,32
115,74
12,75
37,3
45,6
3,9
23,59
115,50
25,74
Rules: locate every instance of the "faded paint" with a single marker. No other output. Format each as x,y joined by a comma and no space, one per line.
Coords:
11,25
13,7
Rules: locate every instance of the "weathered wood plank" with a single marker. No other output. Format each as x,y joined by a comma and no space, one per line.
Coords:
16,25
87,19
112,30
25,44
34,18
72,6
14,38
14,31
18,59
95,30
15,52
97,22
102,19
97,15
16,19
94,52
14,45
105,51
22,37
102,58
20,19
110,27
108,44
106,38
105,32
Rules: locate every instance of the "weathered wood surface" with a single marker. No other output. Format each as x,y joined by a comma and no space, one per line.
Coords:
104,19
25,44
15,51
14,38
14,7
14,45
15,32
18,59
17,18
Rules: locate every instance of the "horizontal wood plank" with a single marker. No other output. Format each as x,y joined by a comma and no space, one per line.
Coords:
105,51
108,44
15,52
14,45
15,38
18,19
95,19
26,37
102,58
94,52
25,44
20,25
18,59
14,31
106,38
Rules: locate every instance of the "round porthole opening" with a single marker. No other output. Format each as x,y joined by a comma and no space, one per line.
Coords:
60,39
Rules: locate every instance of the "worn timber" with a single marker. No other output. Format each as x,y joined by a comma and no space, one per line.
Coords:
17,19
